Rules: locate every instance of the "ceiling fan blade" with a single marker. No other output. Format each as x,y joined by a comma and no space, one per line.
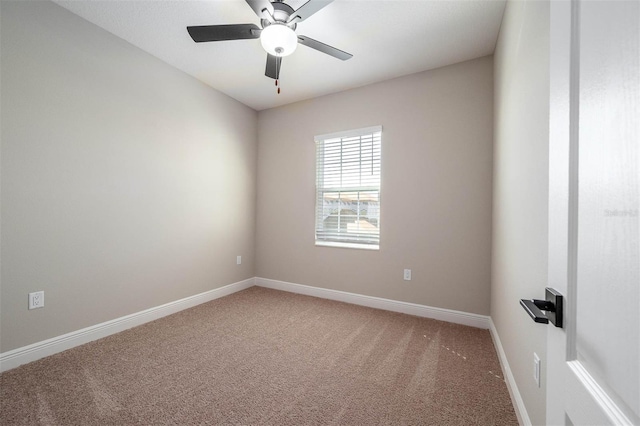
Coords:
273,66
308,9
259,5
324,48
224,32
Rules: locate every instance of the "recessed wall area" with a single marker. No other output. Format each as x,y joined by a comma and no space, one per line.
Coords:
435,214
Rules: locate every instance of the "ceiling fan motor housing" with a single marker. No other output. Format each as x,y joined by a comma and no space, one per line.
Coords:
281,13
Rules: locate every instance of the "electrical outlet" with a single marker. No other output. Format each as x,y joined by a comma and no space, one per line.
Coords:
36,300
536,368
407,274
238,260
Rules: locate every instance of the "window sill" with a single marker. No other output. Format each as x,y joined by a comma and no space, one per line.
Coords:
347,245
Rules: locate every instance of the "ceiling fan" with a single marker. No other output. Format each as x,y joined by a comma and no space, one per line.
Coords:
277,35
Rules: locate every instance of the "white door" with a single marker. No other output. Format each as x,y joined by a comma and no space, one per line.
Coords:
593,374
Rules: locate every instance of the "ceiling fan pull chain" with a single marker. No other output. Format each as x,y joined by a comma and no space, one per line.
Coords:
277,75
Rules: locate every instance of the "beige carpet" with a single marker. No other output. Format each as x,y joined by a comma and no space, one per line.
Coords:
262,356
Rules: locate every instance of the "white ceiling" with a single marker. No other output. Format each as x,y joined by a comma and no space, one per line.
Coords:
388,38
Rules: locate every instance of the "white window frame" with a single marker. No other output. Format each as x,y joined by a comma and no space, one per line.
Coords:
360,239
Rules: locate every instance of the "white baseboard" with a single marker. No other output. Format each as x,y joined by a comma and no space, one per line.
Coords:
516,398
33,352
23,355
473,320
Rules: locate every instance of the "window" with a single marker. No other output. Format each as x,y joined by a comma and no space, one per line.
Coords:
348,188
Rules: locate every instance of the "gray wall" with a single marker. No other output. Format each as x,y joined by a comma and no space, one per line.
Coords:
436,189
520,191
125,183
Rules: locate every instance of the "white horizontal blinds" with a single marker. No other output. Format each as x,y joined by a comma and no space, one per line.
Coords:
348,187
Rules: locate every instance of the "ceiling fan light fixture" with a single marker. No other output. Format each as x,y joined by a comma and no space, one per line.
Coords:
279,40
